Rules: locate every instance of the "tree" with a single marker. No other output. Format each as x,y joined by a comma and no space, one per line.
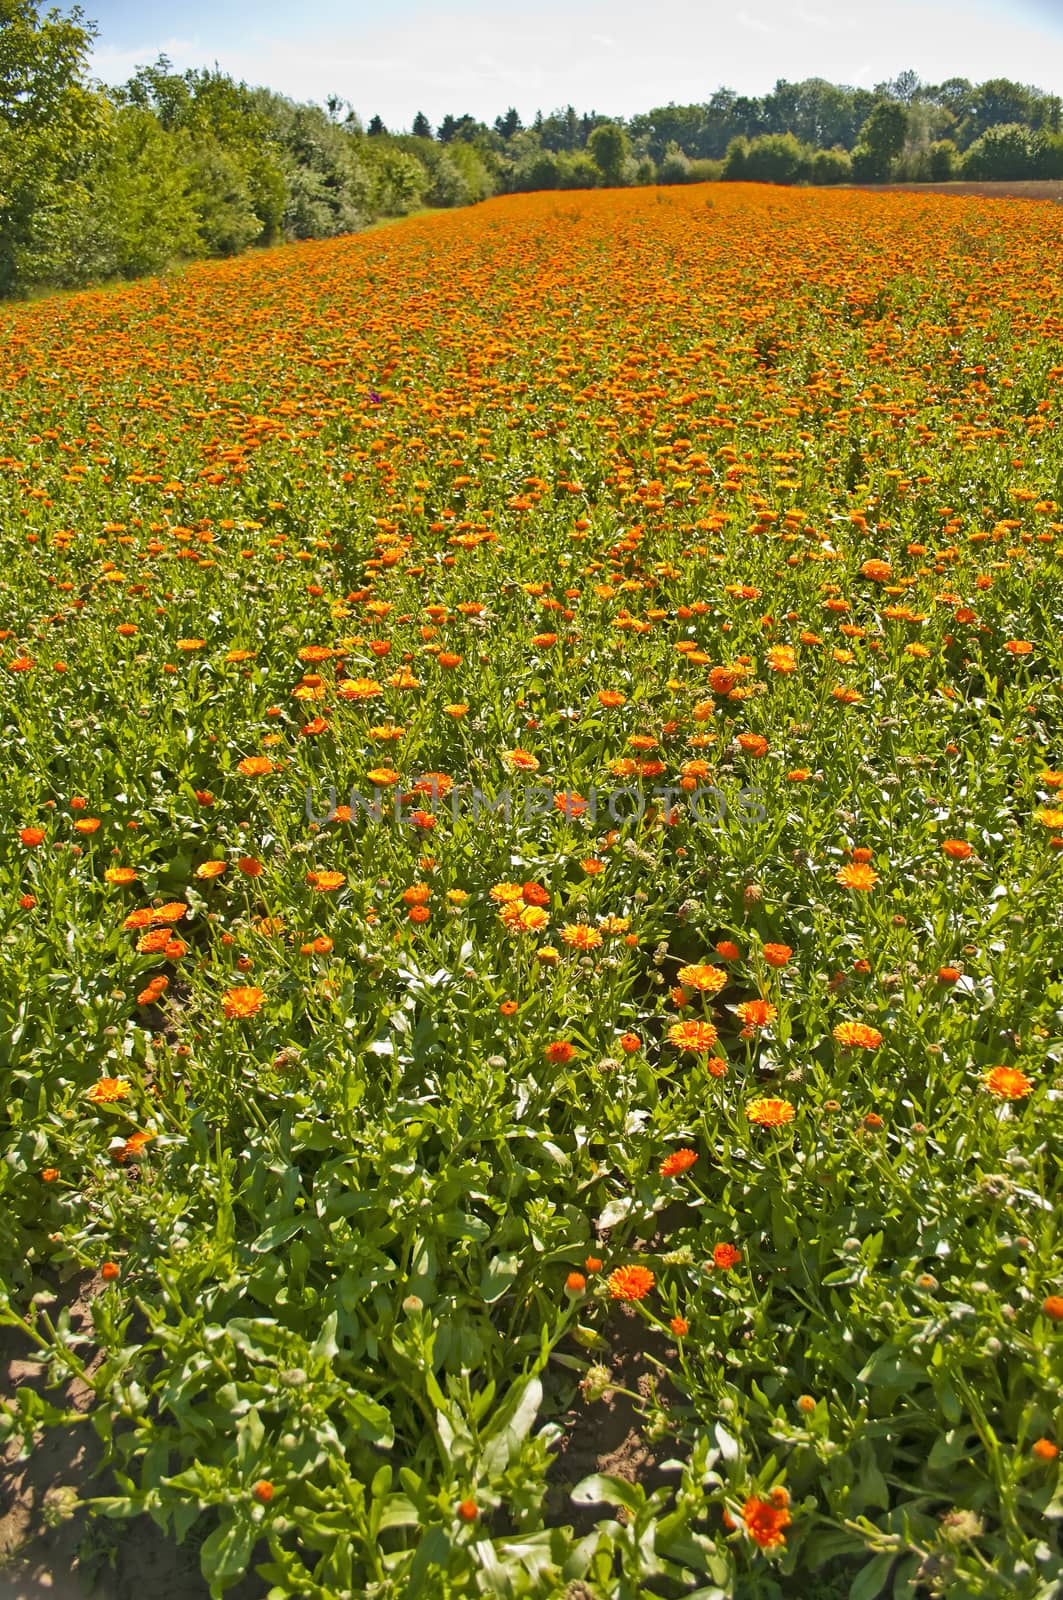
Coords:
422,128
1009,150
375,128
508,125
881,142
51,126
608,148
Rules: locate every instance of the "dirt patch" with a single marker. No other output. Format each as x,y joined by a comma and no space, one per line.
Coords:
1021,189
609,1435
51,1546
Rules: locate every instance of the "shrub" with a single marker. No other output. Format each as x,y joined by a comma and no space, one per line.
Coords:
831,166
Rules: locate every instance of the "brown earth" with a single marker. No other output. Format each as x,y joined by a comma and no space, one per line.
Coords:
1032,189
51,1548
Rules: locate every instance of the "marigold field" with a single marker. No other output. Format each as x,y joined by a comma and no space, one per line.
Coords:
532,824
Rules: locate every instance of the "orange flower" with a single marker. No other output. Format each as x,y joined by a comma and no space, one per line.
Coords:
630,1283
210,869
1053,1307
693,1036
575,1283
957,849
242,1001
522,761
680,1327
857,1036
769,1113
857,877
727,950
757,1013
703,978
580,936
777,955
630,1043
725,1257
107,1090
120,875
754,744
1044,1450
765,1522
249,866
611,697
31,837
255,766
559,1051
326,882
1007,1083
677,1162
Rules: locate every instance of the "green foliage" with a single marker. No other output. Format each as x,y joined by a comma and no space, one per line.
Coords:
831,166
675,166
881,141
609,149
1008,151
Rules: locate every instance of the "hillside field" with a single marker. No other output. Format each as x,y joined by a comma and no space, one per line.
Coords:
531,1031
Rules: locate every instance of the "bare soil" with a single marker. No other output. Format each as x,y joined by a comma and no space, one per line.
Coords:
1032,189
51,1548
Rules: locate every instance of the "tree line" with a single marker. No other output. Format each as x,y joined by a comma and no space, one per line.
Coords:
99,183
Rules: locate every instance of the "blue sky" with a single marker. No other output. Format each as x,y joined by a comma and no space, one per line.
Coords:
396,57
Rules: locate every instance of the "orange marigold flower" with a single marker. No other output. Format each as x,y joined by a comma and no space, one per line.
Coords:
580,936
677,1162
468,1510
1049,817
559,1051
31,837
630,1043
703,978
727,950
326,882
110,1271
242,1001
957,849
630,1283
1007,1083
770,1113
680,1327
1053,1307
1044,1449
693,1036
505,892
210,869
949,974
575,1283
49,1174
611,697
171,912
593,1264
777,955
522,761
857,1036
765,1522
757,1013
754,744
120,875
858,876
255,766
107,1090
726,1256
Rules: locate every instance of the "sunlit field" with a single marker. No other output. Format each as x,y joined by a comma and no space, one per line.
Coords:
532,825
